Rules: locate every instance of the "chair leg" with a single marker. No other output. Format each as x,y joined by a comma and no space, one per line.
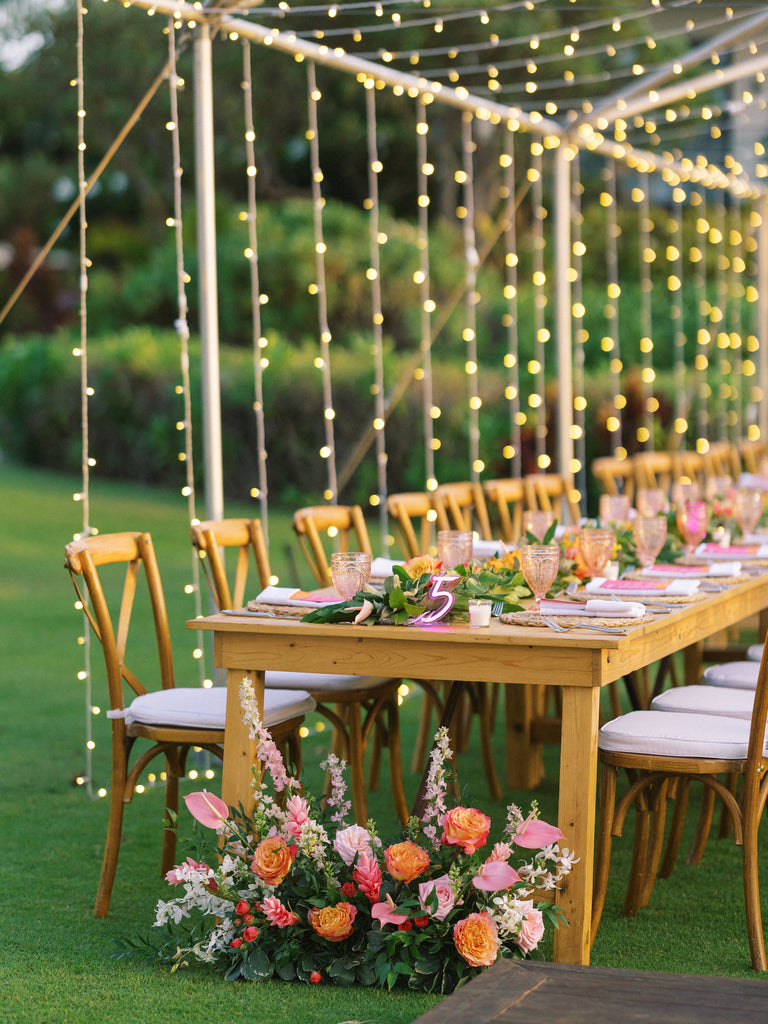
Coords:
703,827
603,845
171,805
658,821
639,857
396,762
676,829
356,765
111,848
485,726
751,811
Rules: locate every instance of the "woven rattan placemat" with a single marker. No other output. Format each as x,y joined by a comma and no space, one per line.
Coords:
287,610
537,619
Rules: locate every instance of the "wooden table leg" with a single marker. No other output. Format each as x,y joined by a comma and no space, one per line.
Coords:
524,760
576,819
239,749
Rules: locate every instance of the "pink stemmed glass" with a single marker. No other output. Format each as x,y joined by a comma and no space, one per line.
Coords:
649,533
747,508
540,563
692,518
350,571
596,547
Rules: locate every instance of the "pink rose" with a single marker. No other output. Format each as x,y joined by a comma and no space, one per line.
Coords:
352,841
446,897
531,931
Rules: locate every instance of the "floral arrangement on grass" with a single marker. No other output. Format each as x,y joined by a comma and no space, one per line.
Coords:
288,891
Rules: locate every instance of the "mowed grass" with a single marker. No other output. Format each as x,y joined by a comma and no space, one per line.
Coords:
56,963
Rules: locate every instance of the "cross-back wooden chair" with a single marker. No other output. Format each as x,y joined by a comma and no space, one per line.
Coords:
653,470
721,460
753,454
171,718
507,497
412,518
614,476
662,752
552,492
343,524
461,506
354,705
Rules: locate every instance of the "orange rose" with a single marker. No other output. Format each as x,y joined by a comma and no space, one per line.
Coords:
476,938
333,923
272,860
421,565
406,861
464,826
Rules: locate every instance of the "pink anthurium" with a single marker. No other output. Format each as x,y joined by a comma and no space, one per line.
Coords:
365,610
385,912
208,809
535,835
494,875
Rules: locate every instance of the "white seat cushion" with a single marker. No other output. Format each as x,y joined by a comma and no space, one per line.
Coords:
755,652
741,674
320,683
658,732
706,700
195,707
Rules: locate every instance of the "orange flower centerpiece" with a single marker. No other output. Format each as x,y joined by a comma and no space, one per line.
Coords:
292,892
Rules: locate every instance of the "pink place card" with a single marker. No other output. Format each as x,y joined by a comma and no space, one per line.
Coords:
659,569
614,586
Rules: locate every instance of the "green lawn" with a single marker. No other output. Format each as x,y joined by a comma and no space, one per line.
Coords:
55,961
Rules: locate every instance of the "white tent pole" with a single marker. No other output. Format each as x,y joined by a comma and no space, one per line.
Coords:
563,314
207,276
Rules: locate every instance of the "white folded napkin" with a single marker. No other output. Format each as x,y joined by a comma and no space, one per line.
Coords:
295,598
482,549
643,588
742,551
382,567
596,608
690,572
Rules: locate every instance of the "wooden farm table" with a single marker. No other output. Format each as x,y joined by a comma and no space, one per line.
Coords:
581,662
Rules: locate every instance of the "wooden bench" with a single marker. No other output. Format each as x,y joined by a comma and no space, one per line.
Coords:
513,991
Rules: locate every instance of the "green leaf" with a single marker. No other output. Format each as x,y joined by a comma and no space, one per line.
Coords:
257,966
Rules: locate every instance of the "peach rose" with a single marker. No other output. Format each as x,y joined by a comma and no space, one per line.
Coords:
406,861
422,565
476,938
467,827
333,923
272,860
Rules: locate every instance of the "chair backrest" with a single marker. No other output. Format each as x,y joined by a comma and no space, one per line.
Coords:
508,497
753,454
722,459
461,506
211,536
551,492
344,527
653,470
615,476
110,617
412,518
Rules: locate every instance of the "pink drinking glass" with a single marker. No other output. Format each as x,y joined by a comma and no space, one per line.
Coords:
596,547
649,533
540,563
692,518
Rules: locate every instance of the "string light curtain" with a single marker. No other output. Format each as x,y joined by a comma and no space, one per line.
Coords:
513,451
466,212
430,412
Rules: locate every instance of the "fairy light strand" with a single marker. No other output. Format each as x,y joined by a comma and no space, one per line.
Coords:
514,450
259,342
645,433
537,398
426,303
611,342
471,297
328,452
579,332
675,280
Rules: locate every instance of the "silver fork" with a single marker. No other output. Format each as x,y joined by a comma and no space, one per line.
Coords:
558,627
497,608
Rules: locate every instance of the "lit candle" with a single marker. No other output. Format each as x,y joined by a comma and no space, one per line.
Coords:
479,613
